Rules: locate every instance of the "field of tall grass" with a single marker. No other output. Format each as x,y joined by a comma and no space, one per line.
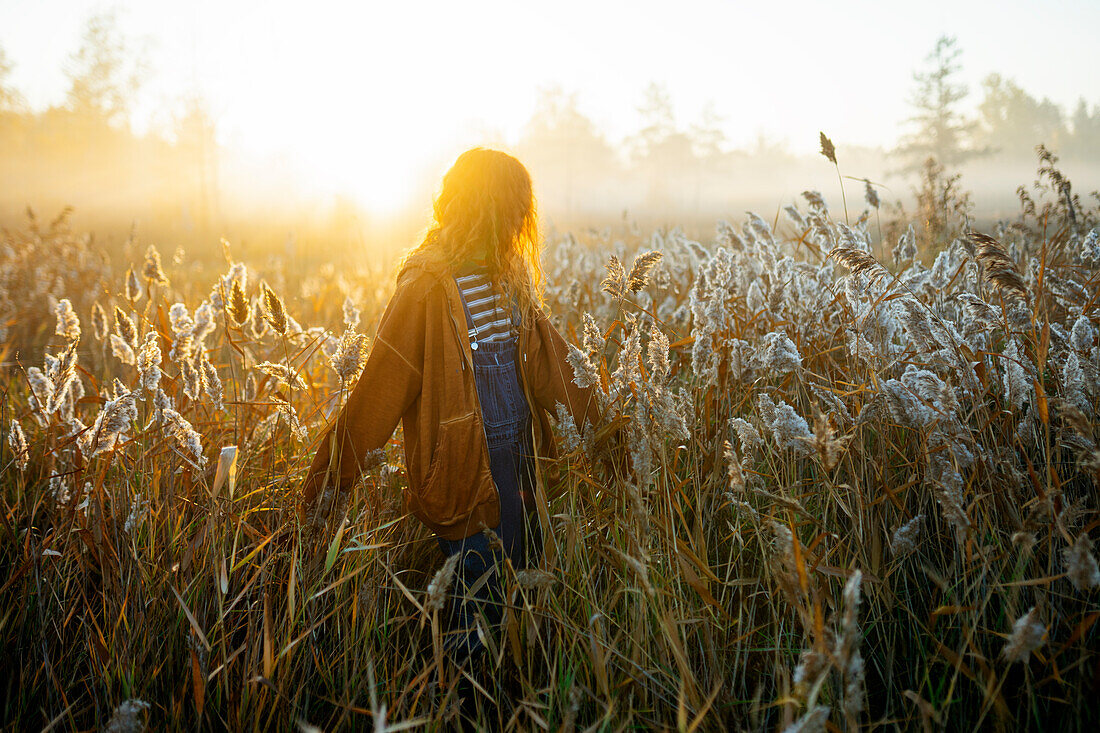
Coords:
843,483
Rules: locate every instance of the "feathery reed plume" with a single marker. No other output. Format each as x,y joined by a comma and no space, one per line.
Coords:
906,537
906,248
351,314
788,428
859,262
1074,385
796,216
947,487
63,377
251,389
828,447
186,437
1027,636
17,440
871,194
777,354
535,579
980,315
139,508
1000,270
238,304
615,284
1081,567
1023,541
350,356
191,376
847,649
441,583
760,229
257,323
41,389
584,371
782,543
829,151
816,202
148,363
282,373
152,270
747,434
114,418
183,332
127,717
640,270
593,337
1090,247
827,148
812,722
132,286
211,381
124,327
812,664
1083,334
99,322
734,472
570,436
657,355
68,325
204,323
496,544
273,310
121,350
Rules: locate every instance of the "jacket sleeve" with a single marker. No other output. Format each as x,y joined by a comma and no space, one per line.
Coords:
551,377
391,380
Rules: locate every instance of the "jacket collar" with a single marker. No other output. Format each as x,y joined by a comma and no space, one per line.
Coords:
441,273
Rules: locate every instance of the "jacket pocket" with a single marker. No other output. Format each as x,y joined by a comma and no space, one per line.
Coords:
452,483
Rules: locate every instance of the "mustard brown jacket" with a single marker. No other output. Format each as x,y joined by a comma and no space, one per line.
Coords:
420,371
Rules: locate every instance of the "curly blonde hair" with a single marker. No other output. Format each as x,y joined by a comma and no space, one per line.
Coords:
486,209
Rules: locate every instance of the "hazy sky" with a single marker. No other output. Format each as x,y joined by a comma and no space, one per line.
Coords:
366,95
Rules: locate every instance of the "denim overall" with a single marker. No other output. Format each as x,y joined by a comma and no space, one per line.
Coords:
507,418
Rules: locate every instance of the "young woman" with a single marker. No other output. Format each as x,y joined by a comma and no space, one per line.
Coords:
465,357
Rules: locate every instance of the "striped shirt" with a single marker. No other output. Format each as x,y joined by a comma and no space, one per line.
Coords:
488,307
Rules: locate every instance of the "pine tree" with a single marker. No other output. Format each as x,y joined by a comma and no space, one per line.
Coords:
940,131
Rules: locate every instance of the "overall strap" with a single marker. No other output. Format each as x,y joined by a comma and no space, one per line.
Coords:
471,329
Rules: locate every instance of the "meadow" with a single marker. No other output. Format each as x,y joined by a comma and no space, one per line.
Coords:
844,482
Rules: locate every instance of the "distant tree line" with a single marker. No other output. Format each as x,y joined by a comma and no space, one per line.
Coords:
85,148
664,164
1009,122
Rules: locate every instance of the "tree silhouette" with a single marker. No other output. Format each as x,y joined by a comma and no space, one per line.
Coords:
195,133
658,121
940,130
708,137
1014,122
10,99
665,155
103,76
1084,139
565,148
